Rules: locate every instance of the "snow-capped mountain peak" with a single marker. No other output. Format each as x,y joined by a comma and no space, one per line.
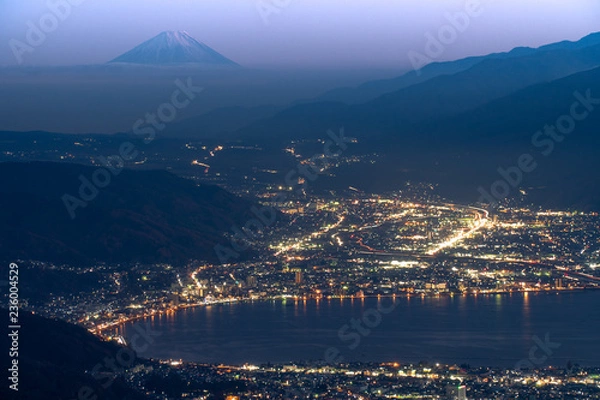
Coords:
173,47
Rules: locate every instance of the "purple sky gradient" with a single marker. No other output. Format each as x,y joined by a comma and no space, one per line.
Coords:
306,33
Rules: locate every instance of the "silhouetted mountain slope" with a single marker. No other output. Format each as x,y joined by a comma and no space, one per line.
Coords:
464,153
446,95
373,89
498,133
488,80
55,359
146,216
518,115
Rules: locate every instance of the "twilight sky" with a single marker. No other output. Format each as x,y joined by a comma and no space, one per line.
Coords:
302,33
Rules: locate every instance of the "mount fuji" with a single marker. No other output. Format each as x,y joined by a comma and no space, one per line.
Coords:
170,48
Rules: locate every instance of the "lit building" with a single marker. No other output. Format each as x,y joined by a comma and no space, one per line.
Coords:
299,277
559,283
456,392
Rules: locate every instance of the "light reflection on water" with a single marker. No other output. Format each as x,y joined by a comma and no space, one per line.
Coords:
480,330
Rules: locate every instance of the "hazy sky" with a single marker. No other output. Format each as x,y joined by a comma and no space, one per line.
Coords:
304,33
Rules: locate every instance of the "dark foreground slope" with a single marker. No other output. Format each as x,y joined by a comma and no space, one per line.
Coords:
141,216
53,359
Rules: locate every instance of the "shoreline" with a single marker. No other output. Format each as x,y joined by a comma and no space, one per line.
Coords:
99,331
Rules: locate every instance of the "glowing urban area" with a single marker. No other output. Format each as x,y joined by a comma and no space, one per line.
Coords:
294,200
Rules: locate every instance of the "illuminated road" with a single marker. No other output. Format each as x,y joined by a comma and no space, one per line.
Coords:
308,238
481,222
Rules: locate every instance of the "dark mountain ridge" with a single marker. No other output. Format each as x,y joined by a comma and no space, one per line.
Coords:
141,216
55,359
373,89
403,111
461,154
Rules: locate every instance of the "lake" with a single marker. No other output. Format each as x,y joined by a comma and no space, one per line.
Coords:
496,330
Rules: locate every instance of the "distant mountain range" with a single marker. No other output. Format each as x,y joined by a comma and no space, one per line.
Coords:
454,125
456,130
373,89
172,48
437,90
442,96
496,134
141,216
461,153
